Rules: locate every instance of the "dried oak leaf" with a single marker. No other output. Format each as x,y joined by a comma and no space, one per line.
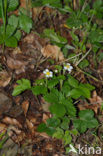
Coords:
3,128
53,52
11,121
25,106
94,104
5,78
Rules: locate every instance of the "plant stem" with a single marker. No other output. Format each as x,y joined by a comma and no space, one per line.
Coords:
83,57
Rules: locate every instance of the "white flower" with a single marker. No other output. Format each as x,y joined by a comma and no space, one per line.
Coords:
68,67
48,73
72,149
56,71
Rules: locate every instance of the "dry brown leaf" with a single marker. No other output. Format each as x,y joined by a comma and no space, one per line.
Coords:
15,64
5,78
17,51
42,134
25,106
45,117
30,125
11,121
3,128
53,52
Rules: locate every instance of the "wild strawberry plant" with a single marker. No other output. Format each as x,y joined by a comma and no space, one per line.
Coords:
61,90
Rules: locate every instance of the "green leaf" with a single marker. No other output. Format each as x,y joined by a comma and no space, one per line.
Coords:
1,39
13,20
11,42
84,64
73,82
50,131
10,30
52,83
70,108
96,36
53,122
37,90
85,91
86,114
88,86
23,85
37,3
42,127
75,93
25,23
74,132
86,121
58,109
12,5
97,4
67,138
66,88
17,35
53,3
59,133
65,123
49,33
73,21
52,97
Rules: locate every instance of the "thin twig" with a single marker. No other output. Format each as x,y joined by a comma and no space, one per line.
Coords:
87,74
83,57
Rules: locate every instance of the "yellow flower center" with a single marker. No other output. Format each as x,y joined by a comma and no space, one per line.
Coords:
67,66
48,73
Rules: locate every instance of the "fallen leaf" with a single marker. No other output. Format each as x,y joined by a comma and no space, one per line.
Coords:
5,78
3,128
13,63
25,106
5,103
53,52
30,125
11,121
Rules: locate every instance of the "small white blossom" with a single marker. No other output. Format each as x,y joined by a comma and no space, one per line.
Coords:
68,67
48,73
56,71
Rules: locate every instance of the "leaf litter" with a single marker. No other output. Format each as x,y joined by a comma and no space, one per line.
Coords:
20,116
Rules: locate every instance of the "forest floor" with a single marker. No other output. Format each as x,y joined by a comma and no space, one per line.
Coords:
20,115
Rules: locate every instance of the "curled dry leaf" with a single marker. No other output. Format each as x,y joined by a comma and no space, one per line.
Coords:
95,103
5,78
13,63
3,128
53,52
11,121
17,51
29,38
45,117
25,106
12,129
30,125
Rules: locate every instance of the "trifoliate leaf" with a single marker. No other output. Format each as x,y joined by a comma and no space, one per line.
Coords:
25,23
11,42
23,85
37,90
58,109
13,20
53,122
72,81
86,120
